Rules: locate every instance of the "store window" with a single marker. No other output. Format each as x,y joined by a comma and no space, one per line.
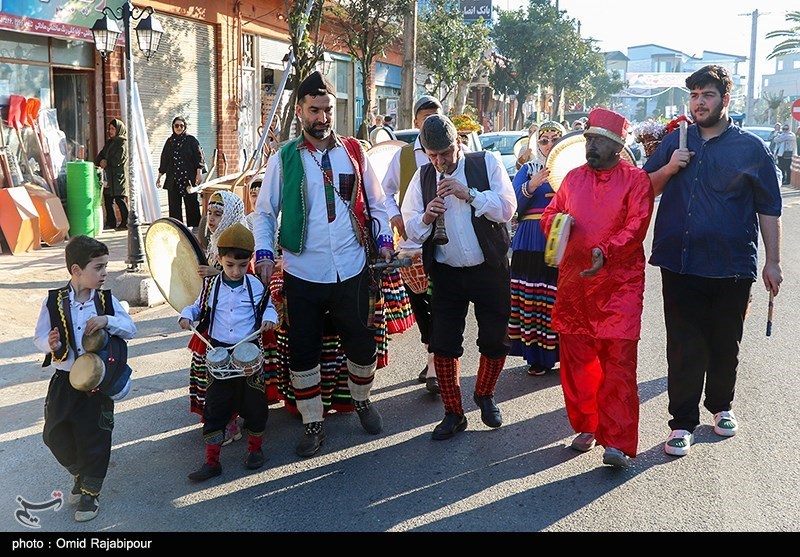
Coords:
27,48
78,54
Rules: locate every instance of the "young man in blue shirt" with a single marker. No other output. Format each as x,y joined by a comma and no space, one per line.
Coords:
715,195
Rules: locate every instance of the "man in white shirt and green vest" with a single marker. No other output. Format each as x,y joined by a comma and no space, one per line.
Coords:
332,222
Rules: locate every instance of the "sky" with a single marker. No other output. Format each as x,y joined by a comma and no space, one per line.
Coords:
690,26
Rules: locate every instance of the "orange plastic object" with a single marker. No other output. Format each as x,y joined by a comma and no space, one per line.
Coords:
53,223
19,220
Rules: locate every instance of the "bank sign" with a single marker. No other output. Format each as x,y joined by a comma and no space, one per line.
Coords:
472,10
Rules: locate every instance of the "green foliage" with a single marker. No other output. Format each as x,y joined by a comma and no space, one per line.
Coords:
451,49
791,42
545,48
367,28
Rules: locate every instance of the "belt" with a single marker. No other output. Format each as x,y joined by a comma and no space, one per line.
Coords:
537,216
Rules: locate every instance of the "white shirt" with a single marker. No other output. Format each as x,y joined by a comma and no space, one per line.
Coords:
331,251
119,324
391,186
496,204
232,317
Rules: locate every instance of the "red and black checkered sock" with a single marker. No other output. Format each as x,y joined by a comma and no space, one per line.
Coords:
488,374
254,443
447,372
212,454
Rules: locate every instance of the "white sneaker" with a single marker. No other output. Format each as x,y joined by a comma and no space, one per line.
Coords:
725,424
679,442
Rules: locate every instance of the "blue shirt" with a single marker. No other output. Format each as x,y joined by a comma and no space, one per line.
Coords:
707,222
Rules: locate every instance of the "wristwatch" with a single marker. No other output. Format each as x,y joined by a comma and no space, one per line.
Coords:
472,193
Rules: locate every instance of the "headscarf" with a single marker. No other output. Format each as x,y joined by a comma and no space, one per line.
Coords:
538,162
115,148
182,179
232,212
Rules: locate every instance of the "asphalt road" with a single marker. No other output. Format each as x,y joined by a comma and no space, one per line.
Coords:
521,477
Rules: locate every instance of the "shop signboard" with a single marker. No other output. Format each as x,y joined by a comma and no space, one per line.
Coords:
54,18
472,10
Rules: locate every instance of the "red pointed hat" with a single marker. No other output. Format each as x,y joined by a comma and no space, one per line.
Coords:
609,124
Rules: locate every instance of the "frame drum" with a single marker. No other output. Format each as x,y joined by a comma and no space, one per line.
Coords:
570,153
87,372
557,239
173,256
248,357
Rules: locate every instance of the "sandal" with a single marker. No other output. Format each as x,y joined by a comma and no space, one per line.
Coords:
536,370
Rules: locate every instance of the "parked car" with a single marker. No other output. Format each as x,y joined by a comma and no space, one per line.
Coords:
761,131
473,140
507,145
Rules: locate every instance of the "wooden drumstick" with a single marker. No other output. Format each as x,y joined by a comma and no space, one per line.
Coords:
195,331
769,313
254,334
682,126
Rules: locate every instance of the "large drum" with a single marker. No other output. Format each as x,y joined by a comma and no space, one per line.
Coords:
173,257
414,276
569,153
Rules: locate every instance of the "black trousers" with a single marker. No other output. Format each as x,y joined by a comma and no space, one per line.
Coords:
175,198
785,164
349,307
227,397
489,290
421,308
704,318
111,218
77,430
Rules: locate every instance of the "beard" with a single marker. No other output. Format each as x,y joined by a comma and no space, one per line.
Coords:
711,119
317,131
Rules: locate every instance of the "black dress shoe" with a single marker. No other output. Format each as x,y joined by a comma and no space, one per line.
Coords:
370,418
449,426
432,385
310,444
423,375
490,413
205,472
254,460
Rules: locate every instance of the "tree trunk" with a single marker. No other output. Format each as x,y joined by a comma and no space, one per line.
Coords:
460,98
405,116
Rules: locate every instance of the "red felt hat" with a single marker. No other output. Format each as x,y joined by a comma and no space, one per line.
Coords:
609,124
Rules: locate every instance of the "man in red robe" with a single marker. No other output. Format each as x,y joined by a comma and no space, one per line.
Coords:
598,309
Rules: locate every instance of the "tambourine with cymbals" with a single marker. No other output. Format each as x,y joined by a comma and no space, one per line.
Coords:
106,370
173,257
557,239
569,153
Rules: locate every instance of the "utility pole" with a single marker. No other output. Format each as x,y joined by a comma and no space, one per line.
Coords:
751,72
405,118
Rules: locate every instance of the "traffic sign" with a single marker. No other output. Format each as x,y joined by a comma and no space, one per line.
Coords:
796,110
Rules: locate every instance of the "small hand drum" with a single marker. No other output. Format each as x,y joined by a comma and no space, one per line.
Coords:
218,361
557,239
87,372
95,341
248,358
414,276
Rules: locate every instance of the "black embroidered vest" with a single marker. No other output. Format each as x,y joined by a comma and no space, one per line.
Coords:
492,236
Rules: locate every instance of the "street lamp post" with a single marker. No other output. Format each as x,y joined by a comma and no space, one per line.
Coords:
148,34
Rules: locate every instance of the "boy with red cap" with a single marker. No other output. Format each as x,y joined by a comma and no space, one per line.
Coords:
598,309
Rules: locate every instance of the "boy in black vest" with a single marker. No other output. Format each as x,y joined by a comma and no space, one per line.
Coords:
473,194
78,424
232,306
